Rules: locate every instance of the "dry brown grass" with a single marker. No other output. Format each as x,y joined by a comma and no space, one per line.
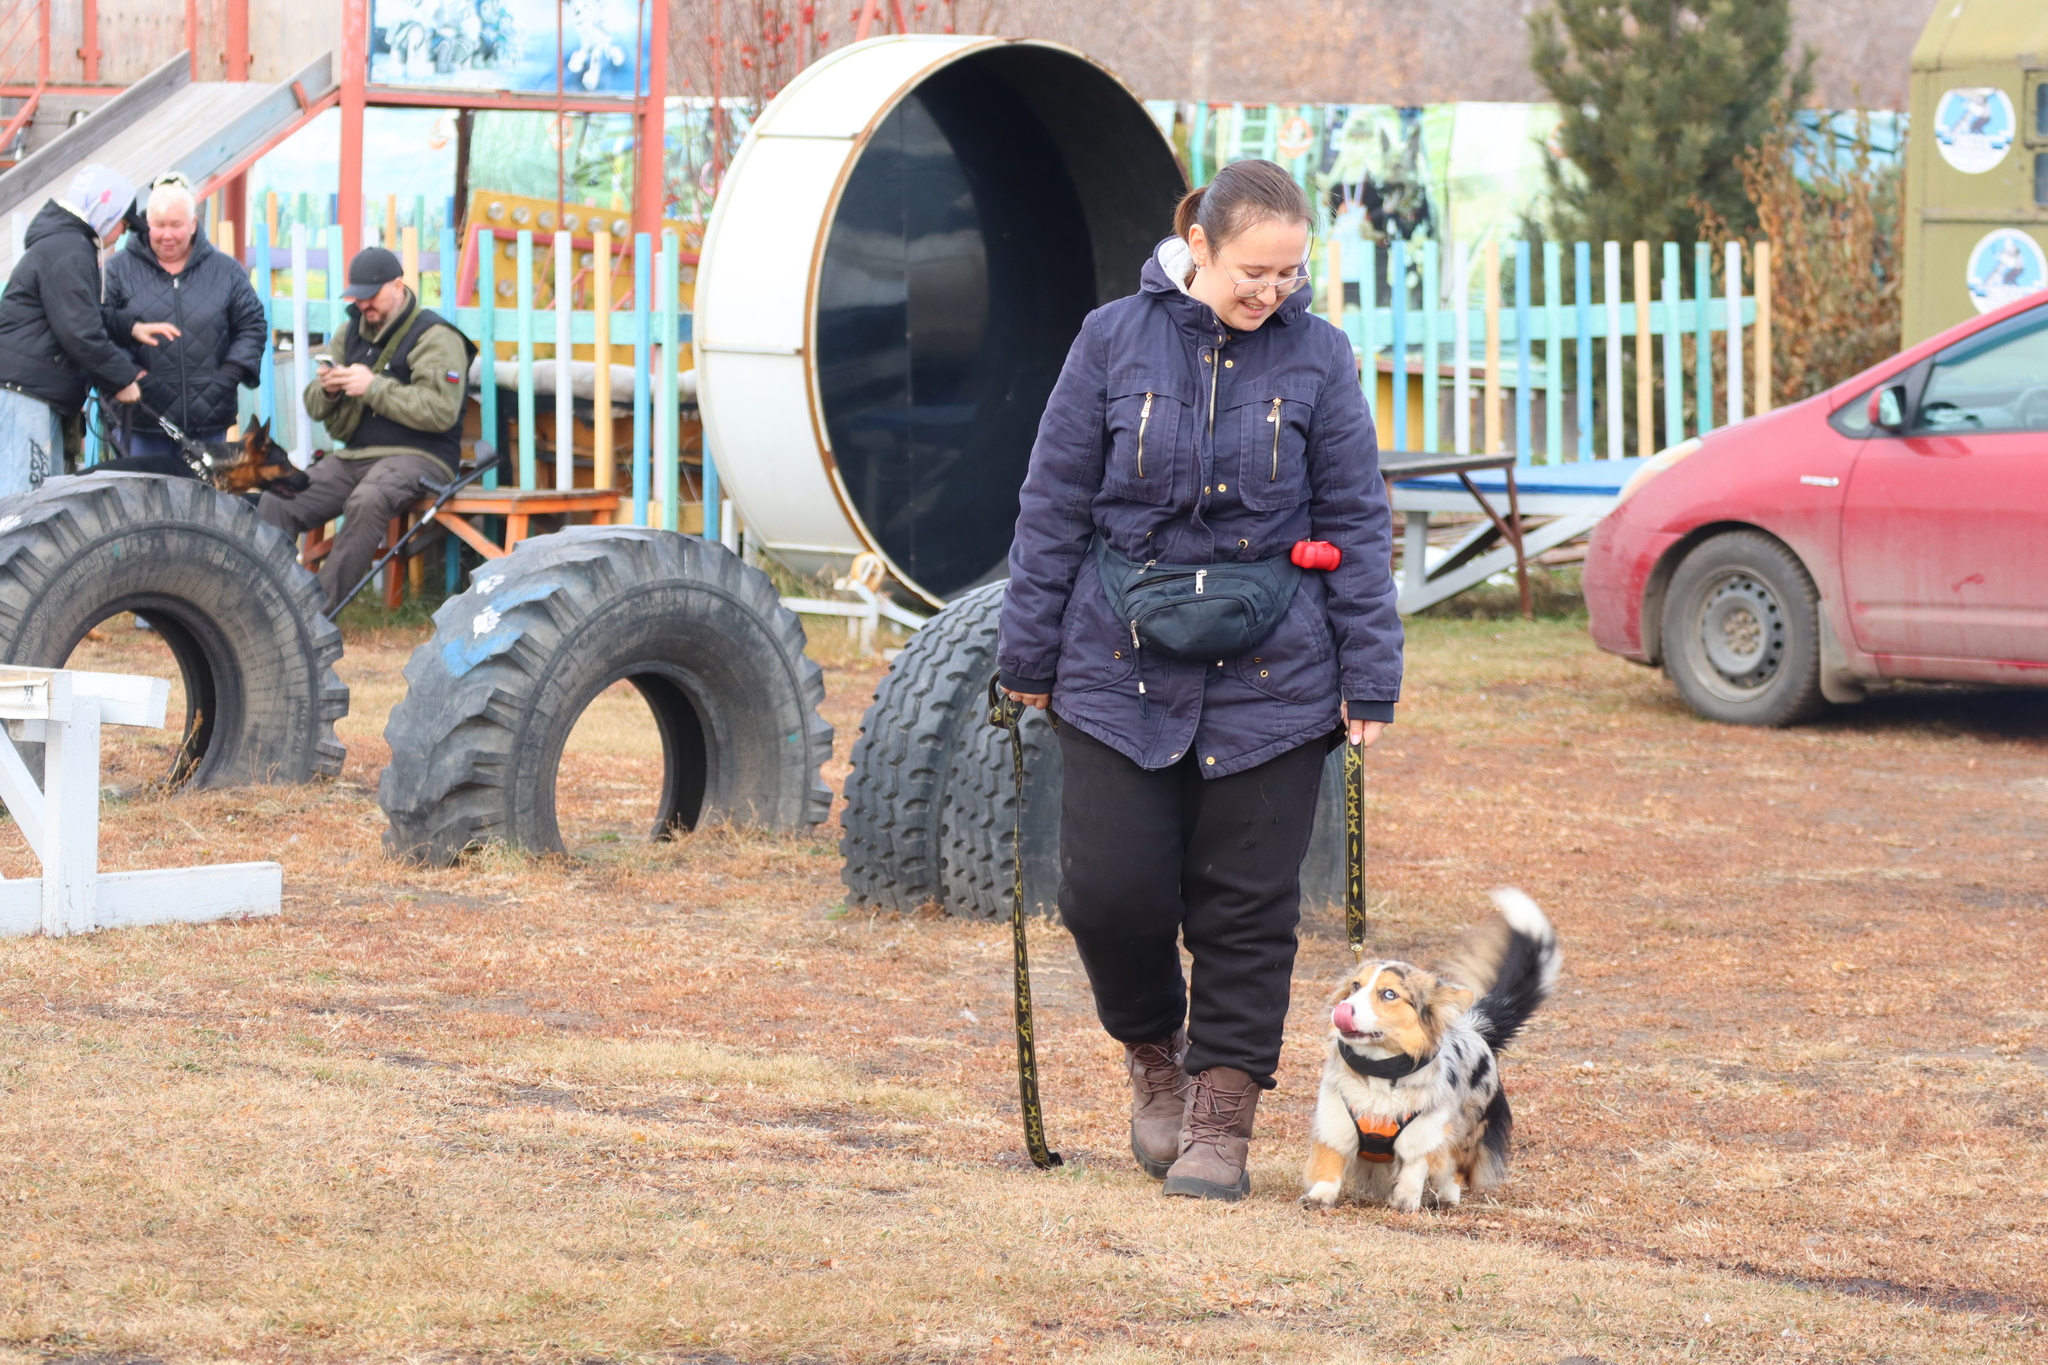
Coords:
669,1100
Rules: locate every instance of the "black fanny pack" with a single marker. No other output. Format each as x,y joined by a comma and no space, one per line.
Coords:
1197,611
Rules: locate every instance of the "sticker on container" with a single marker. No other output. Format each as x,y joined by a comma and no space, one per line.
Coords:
2006,265
1974,126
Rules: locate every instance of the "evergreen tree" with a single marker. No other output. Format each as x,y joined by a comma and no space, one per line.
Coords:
1660,98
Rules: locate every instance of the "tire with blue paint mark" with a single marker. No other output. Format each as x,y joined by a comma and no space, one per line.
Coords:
477,742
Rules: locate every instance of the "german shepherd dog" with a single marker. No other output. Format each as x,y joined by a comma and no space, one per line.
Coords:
254,464
1412,1094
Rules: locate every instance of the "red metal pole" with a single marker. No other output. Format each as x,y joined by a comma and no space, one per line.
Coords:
650,178
238,39
235,194
192,35
355,58
89,22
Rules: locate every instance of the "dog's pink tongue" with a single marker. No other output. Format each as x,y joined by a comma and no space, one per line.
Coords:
1341,1017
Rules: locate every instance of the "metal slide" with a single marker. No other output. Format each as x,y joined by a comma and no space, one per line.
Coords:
166,121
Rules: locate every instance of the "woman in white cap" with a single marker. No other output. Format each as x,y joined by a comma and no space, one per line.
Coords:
54,346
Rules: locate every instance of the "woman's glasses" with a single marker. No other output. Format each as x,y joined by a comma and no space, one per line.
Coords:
1282,287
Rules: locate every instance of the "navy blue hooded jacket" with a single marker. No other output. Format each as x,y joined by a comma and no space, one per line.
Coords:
1184,441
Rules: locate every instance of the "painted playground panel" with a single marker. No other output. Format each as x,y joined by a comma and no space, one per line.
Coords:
1521,343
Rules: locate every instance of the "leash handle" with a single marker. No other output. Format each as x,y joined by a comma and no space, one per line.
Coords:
1006,713
1354,845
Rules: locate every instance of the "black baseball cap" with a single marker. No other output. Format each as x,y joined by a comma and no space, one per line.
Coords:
371,270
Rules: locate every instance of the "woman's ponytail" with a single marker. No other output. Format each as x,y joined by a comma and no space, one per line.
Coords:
1243,195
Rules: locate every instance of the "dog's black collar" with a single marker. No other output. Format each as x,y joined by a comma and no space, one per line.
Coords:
1383,1068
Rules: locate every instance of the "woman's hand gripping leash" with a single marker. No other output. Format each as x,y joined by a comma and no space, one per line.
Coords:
1006,713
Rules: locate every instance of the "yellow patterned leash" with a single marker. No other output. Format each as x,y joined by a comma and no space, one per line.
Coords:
1007,714
1354,845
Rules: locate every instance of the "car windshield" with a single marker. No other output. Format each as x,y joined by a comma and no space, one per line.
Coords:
1996,380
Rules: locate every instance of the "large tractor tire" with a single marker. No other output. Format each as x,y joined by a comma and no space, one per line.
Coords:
221,587
979,827
935,694
477,742
932,799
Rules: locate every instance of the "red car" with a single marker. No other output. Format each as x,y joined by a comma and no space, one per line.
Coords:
1895,526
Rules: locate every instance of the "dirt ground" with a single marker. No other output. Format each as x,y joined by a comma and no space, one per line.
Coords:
676,1102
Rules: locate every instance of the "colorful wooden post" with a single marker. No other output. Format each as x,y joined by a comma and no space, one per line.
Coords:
266,379
1490,413
1646,377
601,472
1761,256
1553,353
1432,337
1582,310
1731,271
1524,391
1368,332
1674,352
1610,294
1703,338
1461,348
1333,289
409,257
523,300
565,394
302,424
487,339
669,451
1397,282
643,372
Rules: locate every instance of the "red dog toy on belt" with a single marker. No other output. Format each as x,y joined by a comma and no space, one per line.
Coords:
1315,554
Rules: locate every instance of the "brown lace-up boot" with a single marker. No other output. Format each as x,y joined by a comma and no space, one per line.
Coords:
1216,1137
1158,1088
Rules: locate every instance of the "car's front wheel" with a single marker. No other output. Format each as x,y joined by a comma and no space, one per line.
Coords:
1742,632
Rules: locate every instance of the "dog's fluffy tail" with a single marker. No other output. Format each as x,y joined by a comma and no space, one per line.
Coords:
1511,962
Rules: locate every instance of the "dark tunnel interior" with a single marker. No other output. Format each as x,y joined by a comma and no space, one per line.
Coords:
1003,198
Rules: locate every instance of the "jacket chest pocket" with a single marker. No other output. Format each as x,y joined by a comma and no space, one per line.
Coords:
1274,428
1148,421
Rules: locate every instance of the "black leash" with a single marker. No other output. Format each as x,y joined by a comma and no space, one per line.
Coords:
197,456
486,459
1007,713
1354,844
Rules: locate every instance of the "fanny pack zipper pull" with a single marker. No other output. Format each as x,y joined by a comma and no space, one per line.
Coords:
1200,574
1135,657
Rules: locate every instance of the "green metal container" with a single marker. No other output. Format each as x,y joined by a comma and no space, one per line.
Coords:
1977,162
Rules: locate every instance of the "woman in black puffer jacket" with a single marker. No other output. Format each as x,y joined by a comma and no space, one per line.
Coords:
213,342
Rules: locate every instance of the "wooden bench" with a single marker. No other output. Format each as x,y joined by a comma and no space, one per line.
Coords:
518,506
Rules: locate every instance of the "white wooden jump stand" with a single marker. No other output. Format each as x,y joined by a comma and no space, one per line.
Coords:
61,821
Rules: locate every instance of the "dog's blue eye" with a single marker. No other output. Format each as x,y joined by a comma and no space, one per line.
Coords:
1389,995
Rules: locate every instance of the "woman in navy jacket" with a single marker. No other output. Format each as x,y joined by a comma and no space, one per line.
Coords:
1209,419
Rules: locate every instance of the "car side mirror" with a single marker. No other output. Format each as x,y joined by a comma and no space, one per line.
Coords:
1888,408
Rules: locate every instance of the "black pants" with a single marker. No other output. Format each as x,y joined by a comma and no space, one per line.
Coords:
1147,858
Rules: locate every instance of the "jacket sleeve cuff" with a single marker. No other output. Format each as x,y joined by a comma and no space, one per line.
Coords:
1029,686
1382,711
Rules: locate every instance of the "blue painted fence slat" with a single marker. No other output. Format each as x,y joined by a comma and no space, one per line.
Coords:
1582,317
643,366
1674,352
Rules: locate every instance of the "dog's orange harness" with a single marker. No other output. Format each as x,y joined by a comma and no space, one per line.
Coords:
1376,1136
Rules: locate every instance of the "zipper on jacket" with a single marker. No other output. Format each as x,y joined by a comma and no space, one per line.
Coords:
1274,418
1215,369
1144,416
